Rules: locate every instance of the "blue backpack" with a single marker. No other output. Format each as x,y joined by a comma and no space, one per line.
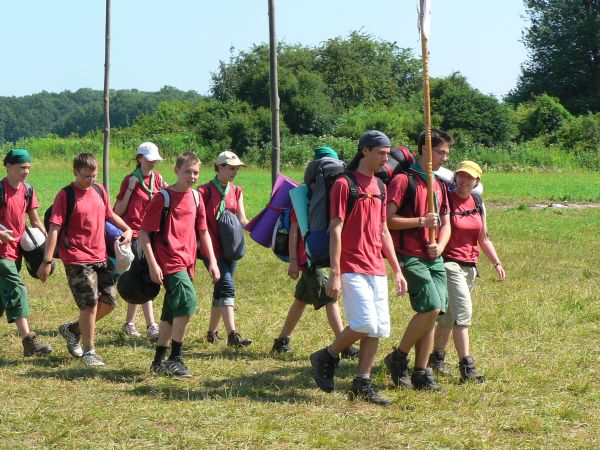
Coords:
281,235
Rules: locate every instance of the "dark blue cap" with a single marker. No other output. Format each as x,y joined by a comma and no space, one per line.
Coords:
374,138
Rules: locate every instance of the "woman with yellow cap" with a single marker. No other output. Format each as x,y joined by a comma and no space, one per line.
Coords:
469,228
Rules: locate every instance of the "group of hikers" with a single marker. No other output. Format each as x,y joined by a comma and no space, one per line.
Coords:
169,227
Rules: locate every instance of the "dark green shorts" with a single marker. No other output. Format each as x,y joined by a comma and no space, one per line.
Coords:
180,296
426,283
13,294
311,287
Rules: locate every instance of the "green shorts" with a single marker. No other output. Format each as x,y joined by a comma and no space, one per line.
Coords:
426,283
311,287
180,296
13,294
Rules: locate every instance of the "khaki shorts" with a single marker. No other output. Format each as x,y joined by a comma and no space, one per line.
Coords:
311,287
461,280
92,282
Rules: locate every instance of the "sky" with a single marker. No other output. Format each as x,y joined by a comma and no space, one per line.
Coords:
59,45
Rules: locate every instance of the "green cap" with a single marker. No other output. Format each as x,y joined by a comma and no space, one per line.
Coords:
17,156
321,152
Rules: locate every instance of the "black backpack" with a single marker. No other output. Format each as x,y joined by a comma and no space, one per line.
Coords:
401,158
62,235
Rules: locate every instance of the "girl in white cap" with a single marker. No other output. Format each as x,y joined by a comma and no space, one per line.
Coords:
469,228
218,195
137,189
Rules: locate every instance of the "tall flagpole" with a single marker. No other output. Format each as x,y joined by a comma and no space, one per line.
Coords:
274,85
105,158
424,25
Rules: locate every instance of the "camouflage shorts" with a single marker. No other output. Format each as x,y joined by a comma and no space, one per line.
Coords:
92,282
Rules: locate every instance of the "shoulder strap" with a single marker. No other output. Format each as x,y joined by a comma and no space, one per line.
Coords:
353,195
165,210
2,194
410,194
28,194
196,195
100,192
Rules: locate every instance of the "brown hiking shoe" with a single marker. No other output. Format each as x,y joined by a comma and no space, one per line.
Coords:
33,347
438,364
468,372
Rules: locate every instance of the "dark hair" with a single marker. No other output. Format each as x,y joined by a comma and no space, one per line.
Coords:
85,161
355,161
186,158
437,137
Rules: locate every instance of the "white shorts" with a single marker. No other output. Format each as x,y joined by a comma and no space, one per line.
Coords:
366,303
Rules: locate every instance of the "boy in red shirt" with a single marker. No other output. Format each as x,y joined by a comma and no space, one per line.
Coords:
82,249
171,256
357,241
14,205
421,260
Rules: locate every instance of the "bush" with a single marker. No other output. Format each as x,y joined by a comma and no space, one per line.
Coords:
542,116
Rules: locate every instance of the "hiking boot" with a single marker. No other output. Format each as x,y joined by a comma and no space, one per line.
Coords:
350,353
33,347
152,332
324,365
130,330
213,337
91,359
235,339
468,372
281,345
363,388
73,340
437,363
397,364
423,379
176,368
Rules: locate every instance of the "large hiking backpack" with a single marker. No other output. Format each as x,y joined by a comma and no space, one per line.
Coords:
62,235
401,158
319,176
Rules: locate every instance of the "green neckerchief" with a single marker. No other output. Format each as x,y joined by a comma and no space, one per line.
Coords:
138,174
419,170
223,193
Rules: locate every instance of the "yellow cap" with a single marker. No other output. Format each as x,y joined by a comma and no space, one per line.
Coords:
470,167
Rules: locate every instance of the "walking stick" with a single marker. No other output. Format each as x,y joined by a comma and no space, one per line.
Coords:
424,25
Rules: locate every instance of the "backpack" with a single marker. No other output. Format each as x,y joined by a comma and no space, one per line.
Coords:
319,176
281,235
401,158
62,235
479,206
28,195
165,213
231,233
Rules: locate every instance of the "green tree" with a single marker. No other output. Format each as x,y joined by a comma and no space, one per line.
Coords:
540,117
563,40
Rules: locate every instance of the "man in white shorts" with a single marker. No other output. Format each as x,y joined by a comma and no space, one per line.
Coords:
358,236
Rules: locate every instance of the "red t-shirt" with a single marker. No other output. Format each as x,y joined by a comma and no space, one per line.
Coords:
413,242
12,216
175,246
212,200
362,230
462,245
85,230
139,200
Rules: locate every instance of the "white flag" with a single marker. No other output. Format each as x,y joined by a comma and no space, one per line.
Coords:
426,18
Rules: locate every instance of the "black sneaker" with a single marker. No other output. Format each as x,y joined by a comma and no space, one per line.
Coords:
235,339
176,368
350,353
438,364
33,347
363,388
397,364
281,345
423,379
213,338
324,365
468,372
157,367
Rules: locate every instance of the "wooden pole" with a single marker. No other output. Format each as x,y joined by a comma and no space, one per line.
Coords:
274,89
428,169
105,153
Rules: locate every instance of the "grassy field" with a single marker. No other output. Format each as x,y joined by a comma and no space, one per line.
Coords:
535,337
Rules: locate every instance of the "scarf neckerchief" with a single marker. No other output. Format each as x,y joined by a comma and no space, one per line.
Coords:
223,193
416,167
138,174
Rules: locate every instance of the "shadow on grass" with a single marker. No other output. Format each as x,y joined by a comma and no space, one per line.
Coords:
77,373
222,352
269,386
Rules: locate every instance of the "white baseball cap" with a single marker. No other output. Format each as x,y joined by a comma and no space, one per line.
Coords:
150,151
229,158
